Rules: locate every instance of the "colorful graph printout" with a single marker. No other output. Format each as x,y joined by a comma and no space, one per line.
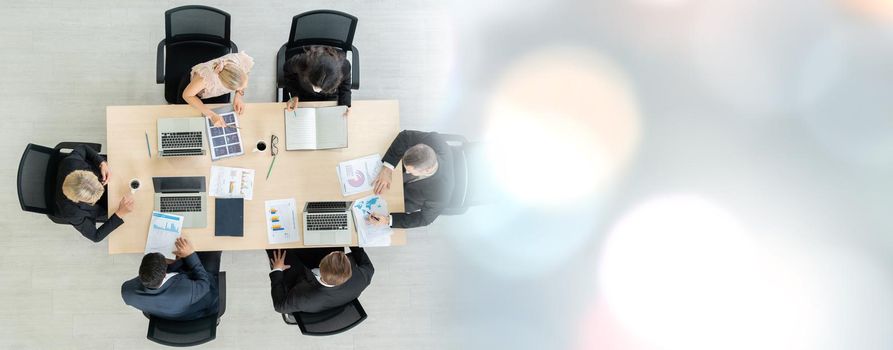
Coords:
357,175
163,231
282,223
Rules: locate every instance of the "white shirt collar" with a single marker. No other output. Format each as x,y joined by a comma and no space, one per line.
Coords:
318,278
167,277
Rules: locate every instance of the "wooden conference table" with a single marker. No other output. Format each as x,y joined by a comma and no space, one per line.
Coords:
302,175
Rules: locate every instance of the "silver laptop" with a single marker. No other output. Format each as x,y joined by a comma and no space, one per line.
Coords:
315,128
183,195
181,137
327,223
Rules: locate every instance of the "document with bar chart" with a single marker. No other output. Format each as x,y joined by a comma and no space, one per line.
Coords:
164,229
282,223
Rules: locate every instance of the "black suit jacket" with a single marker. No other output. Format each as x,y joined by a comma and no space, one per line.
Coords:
297,290
189,295
82,215
297,87
431,194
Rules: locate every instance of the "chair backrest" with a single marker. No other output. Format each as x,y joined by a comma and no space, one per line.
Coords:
332,321
182,333
189,333
460,176
37,172
194,22
323,27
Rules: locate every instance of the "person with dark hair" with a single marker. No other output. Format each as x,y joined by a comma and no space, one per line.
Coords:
81,198
320,73
321,279
427,180
185,289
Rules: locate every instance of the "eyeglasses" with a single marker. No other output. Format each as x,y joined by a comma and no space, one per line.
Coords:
274,143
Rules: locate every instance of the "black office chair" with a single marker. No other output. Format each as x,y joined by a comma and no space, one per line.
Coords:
193,34
36,179
329,322
319,27
192,332
468,188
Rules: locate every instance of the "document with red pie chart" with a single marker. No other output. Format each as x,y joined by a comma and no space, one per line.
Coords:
356,175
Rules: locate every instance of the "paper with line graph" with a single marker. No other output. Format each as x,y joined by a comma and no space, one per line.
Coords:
164,229
229,182
282,223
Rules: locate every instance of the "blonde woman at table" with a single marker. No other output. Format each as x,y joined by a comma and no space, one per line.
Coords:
81,198
217,77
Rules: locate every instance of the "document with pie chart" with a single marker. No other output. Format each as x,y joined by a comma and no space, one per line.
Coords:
356,175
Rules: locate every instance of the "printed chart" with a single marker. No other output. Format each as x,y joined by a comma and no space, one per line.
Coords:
282,221
369,235
163,231
357,175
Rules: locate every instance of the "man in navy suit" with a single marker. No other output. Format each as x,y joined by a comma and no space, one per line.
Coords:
184,290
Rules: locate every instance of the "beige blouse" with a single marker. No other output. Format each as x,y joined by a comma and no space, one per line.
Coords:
213,86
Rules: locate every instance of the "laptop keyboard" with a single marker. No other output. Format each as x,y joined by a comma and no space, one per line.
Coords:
186,139
181,204
323,222
182,152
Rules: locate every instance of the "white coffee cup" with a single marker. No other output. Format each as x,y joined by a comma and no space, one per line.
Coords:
260,146
134,185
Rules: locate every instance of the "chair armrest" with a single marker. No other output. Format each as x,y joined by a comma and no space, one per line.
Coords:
354,68
453,139
280,67
159,63
289,319
221,290
233,47
280,74
71,145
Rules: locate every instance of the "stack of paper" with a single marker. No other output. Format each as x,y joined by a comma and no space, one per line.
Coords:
369,235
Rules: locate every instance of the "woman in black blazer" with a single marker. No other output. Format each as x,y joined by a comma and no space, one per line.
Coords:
80,195
320,73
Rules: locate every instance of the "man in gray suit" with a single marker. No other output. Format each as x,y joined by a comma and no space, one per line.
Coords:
183,290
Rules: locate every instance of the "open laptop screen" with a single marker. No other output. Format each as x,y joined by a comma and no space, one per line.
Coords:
179,184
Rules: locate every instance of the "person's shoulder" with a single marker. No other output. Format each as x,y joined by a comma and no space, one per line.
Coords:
131,286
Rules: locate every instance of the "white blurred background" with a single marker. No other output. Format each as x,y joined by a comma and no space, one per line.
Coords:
674,174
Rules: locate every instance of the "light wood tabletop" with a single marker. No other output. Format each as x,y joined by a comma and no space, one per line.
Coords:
302,175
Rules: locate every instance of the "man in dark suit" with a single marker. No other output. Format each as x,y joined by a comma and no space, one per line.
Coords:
427,182
296,285
183,290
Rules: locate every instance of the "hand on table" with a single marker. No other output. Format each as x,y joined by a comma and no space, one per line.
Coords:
383,181
217,120
184,247
278,260
347,112
106,172
126,205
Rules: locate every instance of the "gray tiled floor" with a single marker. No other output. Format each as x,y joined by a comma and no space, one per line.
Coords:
62,62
